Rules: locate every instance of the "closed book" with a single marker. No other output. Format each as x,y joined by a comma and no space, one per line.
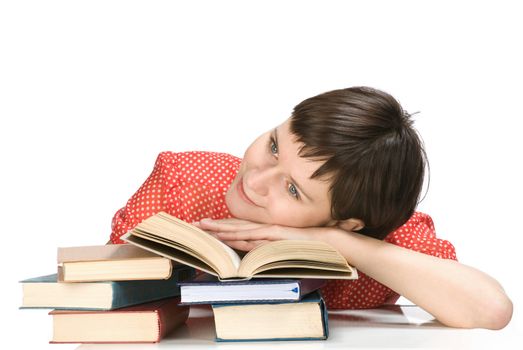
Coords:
145,323
47,292
111,262
207,289
303,320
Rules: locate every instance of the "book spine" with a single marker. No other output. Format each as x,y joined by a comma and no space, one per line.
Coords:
220,340
127,293
60,273
170,317
310,285
325,317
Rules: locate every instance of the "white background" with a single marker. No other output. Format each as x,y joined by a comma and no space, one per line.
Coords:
92,91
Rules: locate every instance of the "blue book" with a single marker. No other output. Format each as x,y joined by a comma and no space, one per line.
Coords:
207,289
47,293
303,320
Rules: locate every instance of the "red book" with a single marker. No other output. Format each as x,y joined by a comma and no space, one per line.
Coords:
144,323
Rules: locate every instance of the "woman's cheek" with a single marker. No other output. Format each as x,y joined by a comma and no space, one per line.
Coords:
297,216
286,214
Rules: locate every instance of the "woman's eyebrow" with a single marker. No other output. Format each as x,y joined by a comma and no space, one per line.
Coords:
300,188
275,135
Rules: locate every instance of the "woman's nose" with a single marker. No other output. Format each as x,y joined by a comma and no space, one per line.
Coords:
259,180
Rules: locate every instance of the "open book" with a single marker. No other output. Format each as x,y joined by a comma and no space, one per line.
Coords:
173,238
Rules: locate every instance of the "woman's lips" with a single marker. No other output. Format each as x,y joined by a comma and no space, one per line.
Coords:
242,193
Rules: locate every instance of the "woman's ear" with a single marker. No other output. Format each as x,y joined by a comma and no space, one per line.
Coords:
349,224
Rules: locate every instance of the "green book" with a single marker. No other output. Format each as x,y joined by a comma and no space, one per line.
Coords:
46,292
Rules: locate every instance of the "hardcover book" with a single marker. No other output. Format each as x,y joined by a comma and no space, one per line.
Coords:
145,323
206,289
47,292
112,262
303,320
170,237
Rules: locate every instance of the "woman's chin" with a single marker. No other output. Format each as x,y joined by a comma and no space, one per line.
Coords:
237,211
233,205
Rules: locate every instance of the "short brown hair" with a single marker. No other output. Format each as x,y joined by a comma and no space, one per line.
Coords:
374,157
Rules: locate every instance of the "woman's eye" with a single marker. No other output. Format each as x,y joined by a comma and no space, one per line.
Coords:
293,191
274,147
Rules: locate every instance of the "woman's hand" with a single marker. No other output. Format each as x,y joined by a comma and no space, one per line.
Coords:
245,235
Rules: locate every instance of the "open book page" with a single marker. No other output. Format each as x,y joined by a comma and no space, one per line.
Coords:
170,251
169,230
235,258
294,254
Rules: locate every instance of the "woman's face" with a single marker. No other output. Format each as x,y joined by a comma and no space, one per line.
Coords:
273,184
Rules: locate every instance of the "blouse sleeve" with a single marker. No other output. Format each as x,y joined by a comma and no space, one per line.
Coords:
417,234
152,197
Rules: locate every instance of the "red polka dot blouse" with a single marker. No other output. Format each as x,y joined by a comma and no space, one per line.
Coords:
192,186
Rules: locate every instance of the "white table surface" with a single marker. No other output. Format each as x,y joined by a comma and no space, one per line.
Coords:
388,327
391,327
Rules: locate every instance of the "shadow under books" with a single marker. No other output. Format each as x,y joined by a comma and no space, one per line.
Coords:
199,328
397,316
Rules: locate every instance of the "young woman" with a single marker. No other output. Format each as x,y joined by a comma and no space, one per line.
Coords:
346,168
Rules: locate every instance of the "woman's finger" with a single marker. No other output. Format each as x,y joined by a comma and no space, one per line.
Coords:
259,234
219,226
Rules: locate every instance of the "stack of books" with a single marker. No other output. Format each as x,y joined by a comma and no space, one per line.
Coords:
262,309
110,293
131,292
271,293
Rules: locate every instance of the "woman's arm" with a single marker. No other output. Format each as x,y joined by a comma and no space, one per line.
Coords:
456,294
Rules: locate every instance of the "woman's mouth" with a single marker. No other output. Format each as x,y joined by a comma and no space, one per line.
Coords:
243,195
